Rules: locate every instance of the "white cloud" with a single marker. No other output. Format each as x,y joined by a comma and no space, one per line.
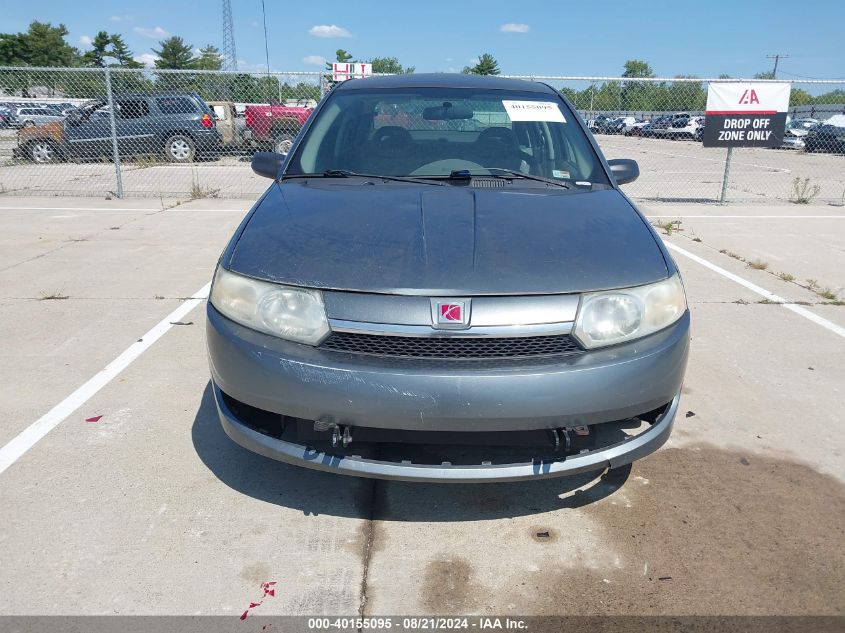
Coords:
148,59
329,30
511,27
314,60
155,33
85,40
121,18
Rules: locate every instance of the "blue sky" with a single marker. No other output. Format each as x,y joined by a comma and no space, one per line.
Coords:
544,37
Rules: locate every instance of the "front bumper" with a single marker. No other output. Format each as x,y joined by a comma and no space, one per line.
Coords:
612,456
304,382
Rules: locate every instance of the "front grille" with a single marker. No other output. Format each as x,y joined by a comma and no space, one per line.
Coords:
451,348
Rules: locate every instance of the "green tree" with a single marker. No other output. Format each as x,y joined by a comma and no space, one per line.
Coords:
799,97
174,53
487,65
109,50
42,45
121,54
97,55
389,65
768,74
209,59
637,68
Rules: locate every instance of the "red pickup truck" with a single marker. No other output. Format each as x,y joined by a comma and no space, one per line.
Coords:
275,125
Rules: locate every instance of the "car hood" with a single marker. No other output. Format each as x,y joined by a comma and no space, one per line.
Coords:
450,240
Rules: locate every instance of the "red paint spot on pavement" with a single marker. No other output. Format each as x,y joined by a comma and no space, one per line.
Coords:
96,418
268,591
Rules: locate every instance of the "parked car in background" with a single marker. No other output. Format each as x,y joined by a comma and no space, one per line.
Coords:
177,126
28,116
656,126
609,125
231,125
275,126
684,127
636,128
827,137
7,118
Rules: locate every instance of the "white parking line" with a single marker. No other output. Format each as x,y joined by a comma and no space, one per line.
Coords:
829,325
27,438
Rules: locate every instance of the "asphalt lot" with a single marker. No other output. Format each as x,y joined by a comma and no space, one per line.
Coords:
670,170
152,510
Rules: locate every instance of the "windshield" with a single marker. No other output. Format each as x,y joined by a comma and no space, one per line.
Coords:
432,132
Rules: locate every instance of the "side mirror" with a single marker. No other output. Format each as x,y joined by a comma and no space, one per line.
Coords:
267,164
624,170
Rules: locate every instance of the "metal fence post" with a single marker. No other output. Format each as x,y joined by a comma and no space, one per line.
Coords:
115,153
727,175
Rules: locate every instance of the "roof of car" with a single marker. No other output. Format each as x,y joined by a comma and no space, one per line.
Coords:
447,80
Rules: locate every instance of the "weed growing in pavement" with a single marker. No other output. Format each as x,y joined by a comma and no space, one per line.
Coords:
56,295
802,191
758,264
786,276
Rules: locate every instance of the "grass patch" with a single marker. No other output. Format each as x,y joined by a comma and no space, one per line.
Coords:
812,284
56,295
758,264
198,191
803,192
669,227
828,294
786,276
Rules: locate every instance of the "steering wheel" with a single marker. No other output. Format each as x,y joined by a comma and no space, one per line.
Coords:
446,166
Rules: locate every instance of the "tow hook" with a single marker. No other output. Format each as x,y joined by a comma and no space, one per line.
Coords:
341,435
561,435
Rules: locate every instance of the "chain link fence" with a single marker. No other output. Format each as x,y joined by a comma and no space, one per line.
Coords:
157,133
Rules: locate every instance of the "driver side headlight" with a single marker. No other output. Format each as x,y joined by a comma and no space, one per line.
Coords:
616,316
295,314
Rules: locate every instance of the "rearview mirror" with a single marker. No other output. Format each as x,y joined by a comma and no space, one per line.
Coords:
267,164
624,170
447,112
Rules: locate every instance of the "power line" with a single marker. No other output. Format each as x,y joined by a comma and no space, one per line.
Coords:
777,57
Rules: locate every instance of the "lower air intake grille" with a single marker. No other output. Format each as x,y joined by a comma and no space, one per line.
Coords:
451,348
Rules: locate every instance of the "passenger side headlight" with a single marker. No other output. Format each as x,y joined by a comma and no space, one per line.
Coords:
616,316
295,314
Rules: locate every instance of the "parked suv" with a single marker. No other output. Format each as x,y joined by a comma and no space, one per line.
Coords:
178,125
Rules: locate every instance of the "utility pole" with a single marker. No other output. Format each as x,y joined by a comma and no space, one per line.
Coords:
777,57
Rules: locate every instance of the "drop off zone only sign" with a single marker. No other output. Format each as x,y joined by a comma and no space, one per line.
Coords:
745,114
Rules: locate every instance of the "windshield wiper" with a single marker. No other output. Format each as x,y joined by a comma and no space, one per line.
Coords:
510,173
345,173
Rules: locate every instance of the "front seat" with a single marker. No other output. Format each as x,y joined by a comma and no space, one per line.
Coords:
498,147
391,151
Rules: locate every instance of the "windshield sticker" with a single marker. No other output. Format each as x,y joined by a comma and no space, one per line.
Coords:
533,111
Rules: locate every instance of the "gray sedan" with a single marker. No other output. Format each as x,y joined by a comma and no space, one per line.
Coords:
444,282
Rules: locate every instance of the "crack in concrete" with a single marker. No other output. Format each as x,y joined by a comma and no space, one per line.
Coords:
366,555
